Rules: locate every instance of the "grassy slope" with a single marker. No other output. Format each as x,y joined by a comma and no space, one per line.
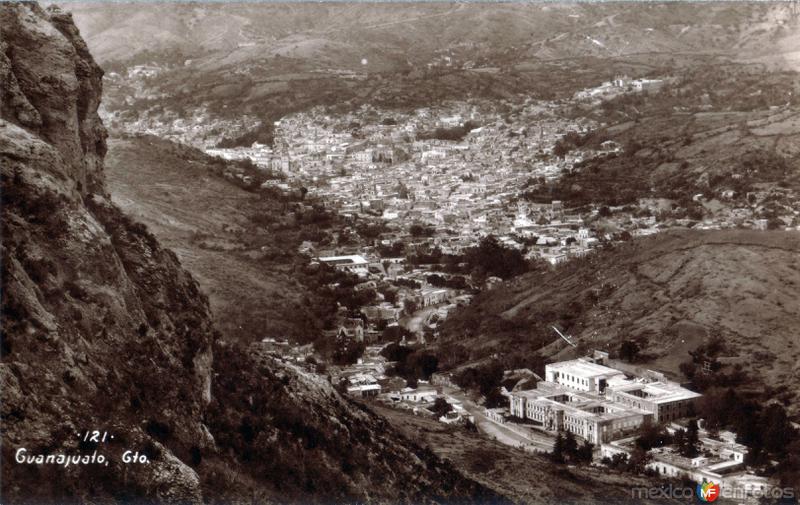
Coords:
677,289
170,190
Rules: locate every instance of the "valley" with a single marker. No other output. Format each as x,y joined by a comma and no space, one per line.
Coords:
402,253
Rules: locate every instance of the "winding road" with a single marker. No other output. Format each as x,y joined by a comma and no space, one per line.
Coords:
502,433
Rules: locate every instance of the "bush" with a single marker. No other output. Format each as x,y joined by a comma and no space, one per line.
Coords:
456,133
490,258
484,378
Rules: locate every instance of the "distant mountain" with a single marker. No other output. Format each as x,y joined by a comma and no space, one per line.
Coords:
672,293
389,34
268,60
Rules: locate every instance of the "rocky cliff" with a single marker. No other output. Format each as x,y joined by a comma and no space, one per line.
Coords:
53,93
103,330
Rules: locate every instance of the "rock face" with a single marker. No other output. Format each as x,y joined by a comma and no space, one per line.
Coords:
103,330
94,311
54,92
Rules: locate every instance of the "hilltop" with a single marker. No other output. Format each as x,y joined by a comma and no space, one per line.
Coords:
671,293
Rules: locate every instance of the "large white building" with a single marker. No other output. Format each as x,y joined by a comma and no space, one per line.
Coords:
556,408
666,400
351,263
599,403
582,375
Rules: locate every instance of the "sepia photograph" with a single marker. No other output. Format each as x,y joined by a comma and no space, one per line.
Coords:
400,253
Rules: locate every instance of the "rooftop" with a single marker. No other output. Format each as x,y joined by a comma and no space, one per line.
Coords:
582,368
657,392
597,410
344,260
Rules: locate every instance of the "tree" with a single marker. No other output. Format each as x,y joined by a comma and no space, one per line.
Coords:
652,435
618,461
420,230
354,300
492,258
570,447
346,350
421,364
370,231
390,295
483,378
495,399
557,455
777,429
679,438
629,350
394,334
585,452
690,441
396,352
441,407
639,458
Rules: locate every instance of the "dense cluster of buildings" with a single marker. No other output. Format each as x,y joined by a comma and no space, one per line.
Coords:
721,460
389,166
599,403
460,169
367,380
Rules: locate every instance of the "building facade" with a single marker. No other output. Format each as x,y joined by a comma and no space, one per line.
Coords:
598,403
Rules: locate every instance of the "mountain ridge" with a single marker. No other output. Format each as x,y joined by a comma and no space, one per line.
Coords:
601,29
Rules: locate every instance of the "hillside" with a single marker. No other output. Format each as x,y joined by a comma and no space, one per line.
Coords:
672,293
104,330
244,265
266,61
721,143
393,34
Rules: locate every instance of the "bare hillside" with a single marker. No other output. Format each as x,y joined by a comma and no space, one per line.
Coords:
206,220
671,292
342,33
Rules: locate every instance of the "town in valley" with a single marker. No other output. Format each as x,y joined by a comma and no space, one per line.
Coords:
381,253
442,202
